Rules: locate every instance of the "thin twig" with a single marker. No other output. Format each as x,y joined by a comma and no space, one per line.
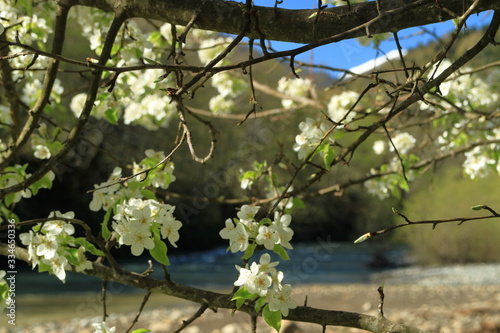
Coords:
103,299
195,316
459,220
136,319
145,171
397,153
381,303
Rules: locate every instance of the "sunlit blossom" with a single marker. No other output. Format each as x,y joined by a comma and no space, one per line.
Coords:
267,236
279,300
42,152
102,328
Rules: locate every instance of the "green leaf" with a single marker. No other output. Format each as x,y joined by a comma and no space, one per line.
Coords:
111,115
249,251
248,174
43,267
261,301
135,185
106,234
141,330
239,302
156,38
241,295
89,246
4,288
9,199
403,184
72,256
272,318
328,156
265,220
148,194
102,96
298,203
159,252
281,252
44,182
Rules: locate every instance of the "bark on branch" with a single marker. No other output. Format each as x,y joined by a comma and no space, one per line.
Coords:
291,25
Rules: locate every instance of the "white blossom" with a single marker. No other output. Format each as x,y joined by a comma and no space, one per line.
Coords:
404,142
377,187
340,104
296,87
103,328
42,152
312,132
77,103
267,236
255,280
477,164
247,213
211,47
279,300
220,104
57,264
139,238
379,147
284,232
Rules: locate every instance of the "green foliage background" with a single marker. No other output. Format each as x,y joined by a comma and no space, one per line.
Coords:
449,194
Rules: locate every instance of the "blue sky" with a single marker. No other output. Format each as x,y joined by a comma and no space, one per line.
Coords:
350,53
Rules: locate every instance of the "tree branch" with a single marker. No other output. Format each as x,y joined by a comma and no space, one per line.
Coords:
434,222
290,25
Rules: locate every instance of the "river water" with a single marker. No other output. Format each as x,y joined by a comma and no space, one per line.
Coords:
320,262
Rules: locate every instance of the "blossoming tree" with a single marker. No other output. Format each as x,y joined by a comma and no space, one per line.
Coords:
137,74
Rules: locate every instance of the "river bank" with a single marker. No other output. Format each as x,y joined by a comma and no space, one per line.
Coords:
449,299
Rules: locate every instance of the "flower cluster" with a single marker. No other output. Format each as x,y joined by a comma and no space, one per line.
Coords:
229,87
16,174
479,164
52,247
160,177
263,280
245,229
33,29
312,133
394,181
136,98
294,87
111,192
138,223
108,193
339,106
103,328
44,142
211,47
466,92
403,142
